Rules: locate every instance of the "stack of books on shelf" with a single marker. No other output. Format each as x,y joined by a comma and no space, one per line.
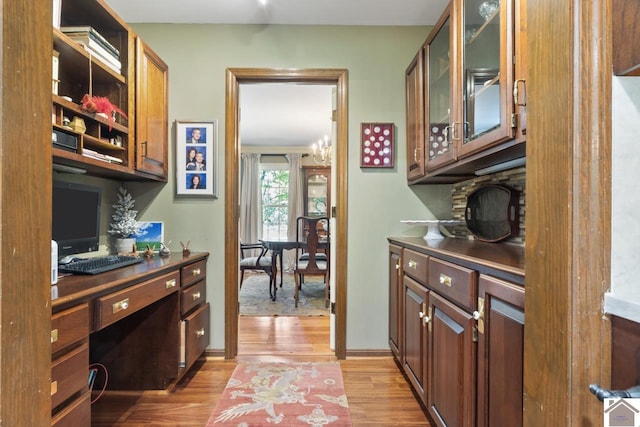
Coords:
95,44
99,156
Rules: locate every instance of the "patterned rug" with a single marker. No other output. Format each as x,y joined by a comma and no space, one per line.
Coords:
255,301
286,394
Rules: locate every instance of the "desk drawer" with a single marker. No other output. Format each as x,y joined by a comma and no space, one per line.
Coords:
196,334
414,264
193,272
113,307
193,296
69,374
459,284
76,414
69,326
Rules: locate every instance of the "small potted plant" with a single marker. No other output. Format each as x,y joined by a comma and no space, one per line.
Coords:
124,225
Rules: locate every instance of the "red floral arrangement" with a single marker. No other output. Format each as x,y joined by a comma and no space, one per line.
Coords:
101,104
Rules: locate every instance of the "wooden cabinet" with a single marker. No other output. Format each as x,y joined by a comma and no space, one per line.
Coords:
145,325
520,76
461,343
152,101
470,118
194,314
500,352
452,363
104,144
317,190
396,298
69,364
626,26
415,118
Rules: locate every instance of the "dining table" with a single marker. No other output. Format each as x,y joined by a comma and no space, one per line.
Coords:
277,247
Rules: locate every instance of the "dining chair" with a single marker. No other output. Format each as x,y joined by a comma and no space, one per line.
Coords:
262,262
315,257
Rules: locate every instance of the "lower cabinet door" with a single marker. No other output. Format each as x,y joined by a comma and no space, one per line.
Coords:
69,374
500,353
196,334
415,335
452,367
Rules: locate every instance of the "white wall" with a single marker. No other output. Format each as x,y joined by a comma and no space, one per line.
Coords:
376,58
624,298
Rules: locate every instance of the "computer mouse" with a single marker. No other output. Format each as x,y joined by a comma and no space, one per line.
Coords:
68,259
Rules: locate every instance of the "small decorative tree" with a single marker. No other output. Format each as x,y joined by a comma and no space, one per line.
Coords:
124,223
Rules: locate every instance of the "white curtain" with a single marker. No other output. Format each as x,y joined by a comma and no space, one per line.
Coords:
250,229
296,208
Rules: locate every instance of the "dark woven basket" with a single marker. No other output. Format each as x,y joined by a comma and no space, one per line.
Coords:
492,213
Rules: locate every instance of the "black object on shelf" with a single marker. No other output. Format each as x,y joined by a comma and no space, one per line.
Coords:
492,213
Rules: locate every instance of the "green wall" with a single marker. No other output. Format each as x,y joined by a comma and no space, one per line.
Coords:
376,58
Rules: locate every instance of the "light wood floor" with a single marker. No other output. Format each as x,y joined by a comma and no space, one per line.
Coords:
377,392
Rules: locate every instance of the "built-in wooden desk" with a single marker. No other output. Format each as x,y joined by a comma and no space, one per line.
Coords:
146,324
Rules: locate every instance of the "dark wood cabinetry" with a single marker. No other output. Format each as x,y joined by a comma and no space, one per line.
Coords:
317,190
472,119
462,312
396,310
415,118
146,324
105,145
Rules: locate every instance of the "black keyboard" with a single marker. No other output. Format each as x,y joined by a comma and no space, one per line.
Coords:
98,264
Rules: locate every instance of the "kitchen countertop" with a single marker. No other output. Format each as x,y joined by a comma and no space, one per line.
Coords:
503,260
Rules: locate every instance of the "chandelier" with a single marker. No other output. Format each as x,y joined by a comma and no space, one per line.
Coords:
321,152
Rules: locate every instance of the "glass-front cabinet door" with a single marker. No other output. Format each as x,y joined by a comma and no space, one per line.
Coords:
440,133
317,190
487,74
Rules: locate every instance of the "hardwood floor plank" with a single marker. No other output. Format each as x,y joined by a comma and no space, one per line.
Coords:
377,392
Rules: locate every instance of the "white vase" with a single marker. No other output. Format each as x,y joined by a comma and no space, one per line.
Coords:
125,245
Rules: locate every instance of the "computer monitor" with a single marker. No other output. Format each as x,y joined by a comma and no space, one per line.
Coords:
75,217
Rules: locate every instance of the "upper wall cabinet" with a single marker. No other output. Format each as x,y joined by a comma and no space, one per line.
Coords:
94,54
470,60
151,112
415,118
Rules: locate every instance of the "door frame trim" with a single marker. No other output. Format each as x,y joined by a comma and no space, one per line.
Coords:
235,76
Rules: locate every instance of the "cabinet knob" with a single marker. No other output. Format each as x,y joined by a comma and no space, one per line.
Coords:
196,271
195,295
170,284
445,280
476,315
120,305
413,264
200,332
397,266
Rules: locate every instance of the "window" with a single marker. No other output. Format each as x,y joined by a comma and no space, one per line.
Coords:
274,181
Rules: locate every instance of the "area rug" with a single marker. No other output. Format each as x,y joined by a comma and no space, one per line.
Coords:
286,394
254,297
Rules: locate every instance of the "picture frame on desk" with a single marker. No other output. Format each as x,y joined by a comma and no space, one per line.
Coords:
149,233
196,158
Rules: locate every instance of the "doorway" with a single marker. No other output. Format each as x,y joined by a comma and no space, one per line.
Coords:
236,76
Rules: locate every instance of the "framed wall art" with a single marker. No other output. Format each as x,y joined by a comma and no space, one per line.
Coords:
376,145
196,158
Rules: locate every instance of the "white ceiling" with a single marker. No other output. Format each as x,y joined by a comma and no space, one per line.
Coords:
278,114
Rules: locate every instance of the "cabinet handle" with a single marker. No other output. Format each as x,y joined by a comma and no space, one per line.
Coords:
413,264
120,305
478,315
54,335
195,295
516,92
144,144
415,154
196,271
445,280
397,266
170,284
453,134
54,387
200,332
423,315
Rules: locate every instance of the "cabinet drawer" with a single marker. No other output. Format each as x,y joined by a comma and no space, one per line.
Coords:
113,307
414,264
193,296
196,334
69,374
193,272
457,283
69,326
76,414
